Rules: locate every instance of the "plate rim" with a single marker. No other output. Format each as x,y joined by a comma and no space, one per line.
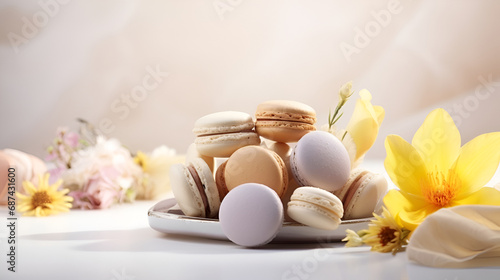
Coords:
158,213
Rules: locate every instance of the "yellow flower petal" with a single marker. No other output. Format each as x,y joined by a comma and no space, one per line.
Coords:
38,212
29,187
409,210
477,162
364,123
483,196
438,141
404,165
23,208
21,196
380,113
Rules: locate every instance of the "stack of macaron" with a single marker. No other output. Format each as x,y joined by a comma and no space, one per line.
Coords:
254,174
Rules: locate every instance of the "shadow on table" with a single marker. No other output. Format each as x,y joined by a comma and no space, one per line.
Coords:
148,240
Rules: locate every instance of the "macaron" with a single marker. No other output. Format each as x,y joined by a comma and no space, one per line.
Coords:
220,134
251,215
284,151
316,208
284,120
220,180
362,193
254,164
193,153
320,160
194,189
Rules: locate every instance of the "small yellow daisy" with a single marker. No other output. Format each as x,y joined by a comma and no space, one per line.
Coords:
45,199
385,235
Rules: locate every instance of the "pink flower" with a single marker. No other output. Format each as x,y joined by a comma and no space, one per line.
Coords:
100,191
102,175
71,139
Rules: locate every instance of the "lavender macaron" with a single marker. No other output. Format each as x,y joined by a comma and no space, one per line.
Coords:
251,215
320,160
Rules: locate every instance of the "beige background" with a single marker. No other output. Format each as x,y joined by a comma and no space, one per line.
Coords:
77,60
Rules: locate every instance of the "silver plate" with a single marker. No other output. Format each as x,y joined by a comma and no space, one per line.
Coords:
166,217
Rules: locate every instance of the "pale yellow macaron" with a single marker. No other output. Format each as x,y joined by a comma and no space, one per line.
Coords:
220,134
316,208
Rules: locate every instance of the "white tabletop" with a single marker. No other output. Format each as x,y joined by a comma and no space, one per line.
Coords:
118,244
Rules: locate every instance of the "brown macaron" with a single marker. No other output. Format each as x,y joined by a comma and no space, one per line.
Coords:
284,120
254,164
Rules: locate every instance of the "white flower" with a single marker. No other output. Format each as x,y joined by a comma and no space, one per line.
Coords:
105,155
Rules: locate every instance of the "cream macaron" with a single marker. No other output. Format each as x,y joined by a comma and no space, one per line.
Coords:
362,193
220,134
253,164
194,189
192,153
316,208
284,120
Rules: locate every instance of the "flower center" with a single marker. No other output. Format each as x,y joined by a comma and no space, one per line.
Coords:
40,198
386,235
440,189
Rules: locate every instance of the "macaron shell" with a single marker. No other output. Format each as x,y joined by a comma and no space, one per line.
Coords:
353,177
254,164
193,153
251,215
311,215
285,198
186,192
286,110
223,145
284,120
316,208
220,180
284,151
223,122
282,131
319,159
209,186
366,198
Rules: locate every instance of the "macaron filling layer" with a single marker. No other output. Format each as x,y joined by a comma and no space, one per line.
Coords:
201,188
284,123
248,129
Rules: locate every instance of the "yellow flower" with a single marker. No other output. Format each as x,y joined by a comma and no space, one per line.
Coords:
364,124
155,180
435,172
142,160
385,235
44,199
353,238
